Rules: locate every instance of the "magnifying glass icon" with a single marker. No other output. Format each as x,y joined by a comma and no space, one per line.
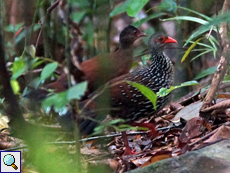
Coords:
9,160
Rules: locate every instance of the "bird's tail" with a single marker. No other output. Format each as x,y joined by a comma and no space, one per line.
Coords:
83,120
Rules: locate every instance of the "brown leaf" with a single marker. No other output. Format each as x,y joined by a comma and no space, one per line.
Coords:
156,158
189,111
113,163
222,133
192,129
141,161
227,96
88,151
5,145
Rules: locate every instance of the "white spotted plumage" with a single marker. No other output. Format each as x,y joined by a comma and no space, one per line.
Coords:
131,103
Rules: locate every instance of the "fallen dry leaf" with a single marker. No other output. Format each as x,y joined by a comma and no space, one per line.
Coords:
89,151
222,133
113,163
189,111
141,161
156,158
192,129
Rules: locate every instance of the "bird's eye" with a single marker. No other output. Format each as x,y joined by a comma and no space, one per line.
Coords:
135,31
160,38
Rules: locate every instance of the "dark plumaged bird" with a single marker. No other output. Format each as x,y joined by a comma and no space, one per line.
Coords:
102,68
127,102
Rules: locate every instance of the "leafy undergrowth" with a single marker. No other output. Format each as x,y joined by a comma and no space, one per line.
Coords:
179,130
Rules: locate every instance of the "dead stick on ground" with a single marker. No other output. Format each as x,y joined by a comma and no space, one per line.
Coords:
222,67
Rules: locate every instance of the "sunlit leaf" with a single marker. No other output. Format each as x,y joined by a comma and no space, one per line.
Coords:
135,7
48,70
206,72
15,86
148,93
164,91
57,101
187,18
189,49
188,83
77,91
19,67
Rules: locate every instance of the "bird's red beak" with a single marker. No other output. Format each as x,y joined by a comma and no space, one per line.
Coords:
170,40
141,34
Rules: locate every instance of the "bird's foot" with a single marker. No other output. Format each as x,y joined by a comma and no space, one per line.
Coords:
151,126
128,151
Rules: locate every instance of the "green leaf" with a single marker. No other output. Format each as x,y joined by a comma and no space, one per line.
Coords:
98,129
213,42
189,49
15,86
13,28
116,121
125,127
37,62
187,18
148,93
215,21
168,5
206,72
135,7
57,100
202,53
144,20
19,67
164,91
195,12
121,8
145,58
48,70
148,32
188,83
31,50
78,16
77,91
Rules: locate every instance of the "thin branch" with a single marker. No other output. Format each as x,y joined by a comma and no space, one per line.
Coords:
49,10
222,67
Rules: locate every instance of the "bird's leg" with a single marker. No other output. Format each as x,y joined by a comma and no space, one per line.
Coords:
150,126
128,150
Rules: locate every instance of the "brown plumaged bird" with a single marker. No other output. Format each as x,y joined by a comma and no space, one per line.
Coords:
128,102
102,68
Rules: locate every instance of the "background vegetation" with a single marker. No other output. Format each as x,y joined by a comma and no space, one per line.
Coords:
41,38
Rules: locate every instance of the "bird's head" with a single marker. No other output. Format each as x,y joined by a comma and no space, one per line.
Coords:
129,34
159,40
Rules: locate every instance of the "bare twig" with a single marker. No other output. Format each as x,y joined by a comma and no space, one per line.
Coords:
210,32
221,105
49,10
209,134
222,67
